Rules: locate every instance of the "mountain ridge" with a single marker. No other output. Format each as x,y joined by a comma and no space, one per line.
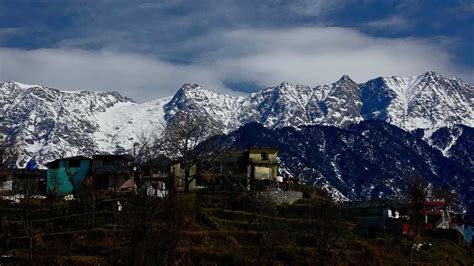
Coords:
372,159
46,123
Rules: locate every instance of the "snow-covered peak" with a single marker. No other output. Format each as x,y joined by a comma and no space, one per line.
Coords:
425,101
189,88
432,75
197,92
47,123
284,85
345,79
18,85
219,108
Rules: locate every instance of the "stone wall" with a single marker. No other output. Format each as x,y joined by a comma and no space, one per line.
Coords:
283,197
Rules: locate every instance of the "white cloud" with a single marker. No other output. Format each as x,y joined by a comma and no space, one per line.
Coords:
311,56
143,78
392,23
321,55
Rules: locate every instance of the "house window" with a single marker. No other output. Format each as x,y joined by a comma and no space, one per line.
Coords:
53,165
264,156
74,163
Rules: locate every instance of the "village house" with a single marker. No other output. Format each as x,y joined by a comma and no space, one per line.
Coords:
29,181
262,167
112,172
225,170
377,214
66,175
23,181
177,171
105,171
155,176
255,168
6,175
6,180
434,214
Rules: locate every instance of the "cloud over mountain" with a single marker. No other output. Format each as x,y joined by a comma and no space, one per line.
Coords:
306,55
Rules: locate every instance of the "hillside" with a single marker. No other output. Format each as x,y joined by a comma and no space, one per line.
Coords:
206,228
370,160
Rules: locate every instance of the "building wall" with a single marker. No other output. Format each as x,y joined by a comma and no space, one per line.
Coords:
110,165
58,180
179,173
6,180
265,172
29,183
255,154
264,168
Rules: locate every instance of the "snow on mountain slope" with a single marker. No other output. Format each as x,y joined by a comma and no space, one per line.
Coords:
43,123
337,104
121,125
283,105
342,105
425,101
371,159
218,108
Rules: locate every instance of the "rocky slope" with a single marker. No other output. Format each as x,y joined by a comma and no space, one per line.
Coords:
43,123
371,159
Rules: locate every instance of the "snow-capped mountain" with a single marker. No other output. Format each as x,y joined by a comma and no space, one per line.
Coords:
218,108
43,123
425,101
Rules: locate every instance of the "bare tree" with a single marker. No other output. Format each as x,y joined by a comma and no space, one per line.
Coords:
270,232
5,233
26,215
144,150
449,195
2,149
144,147
155,226
416,198
180,138
71,177
88,199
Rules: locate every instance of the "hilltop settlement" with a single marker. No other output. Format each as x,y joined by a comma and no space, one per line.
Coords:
214,206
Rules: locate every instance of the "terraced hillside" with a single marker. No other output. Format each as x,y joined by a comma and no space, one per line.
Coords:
206,228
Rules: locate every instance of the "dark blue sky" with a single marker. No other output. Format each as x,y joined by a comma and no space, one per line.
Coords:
146,49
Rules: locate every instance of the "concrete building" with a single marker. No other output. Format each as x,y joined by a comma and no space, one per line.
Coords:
155,175
262,167
177,171
380,214
67,174
112,172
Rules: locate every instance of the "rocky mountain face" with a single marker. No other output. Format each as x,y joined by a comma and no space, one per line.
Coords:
456,143
217,108
43,123
425,101
371,159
